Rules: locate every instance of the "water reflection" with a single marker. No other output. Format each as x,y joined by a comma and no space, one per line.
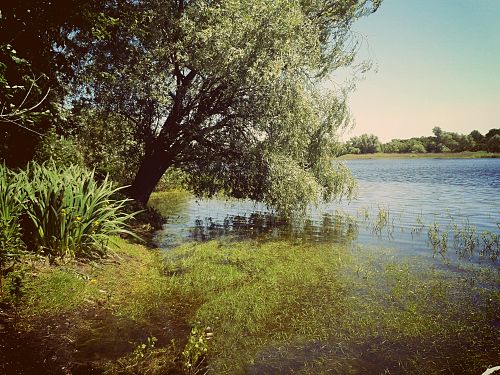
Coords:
336,228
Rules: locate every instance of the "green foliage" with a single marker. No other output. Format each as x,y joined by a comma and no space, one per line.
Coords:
438,239
366,144
142,350
110,144
273,305
10,211
491,245
16,285
195,352
417,148
67,213
283,192
228,83
173,178
63,152
24,114
493,144
393,146
465,240
444,142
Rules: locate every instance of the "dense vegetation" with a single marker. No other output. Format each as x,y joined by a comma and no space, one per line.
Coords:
58,212
231,93
441,142
215,97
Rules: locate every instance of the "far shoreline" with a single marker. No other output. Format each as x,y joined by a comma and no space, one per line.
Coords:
430,155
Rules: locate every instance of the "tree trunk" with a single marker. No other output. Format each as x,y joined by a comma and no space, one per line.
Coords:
150,172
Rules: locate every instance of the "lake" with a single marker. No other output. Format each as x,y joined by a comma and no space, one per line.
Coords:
401,204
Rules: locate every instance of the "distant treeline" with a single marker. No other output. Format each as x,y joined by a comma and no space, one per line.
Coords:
441,141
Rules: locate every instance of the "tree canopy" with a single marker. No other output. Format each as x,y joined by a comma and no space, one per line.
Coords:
33,36
230,91
442,141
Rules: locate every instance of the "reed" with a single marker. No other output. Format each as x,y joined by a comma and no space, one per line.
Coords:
10,211
66,213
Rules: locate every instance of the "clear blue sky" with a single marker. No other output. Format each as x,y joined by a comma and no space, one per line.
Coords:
437,63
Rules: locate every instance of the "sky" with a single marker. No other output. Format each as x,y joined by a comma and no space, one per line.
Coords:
435,63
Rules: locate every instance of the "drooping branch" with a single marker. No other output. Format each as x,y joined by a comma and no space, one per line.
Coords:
15,116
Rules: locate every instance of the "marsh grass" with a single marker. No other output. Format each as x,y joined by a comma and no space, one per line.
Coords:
465,240
491,246
419,225
273,307
169,203
383,220
438,239
279,307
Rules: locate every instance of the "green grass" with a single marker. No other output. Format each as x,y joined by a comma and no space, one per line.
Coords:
274,307
444,155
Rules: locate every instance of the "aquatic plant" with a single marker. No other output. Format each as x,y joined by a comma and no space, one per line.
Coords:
419,225
438,240
195,352
491,245
465,240
382,221
364,213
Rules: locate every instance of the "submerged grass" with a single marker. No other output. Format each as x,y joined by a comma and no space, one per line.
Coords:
270,307
280,308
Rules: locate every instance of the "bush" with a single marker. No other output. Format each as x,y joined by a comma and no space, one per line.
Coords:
67,213
173,178
493,144
59,149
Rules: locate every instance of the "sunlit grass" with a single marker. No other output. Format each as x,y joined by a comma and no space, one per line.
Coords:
362,311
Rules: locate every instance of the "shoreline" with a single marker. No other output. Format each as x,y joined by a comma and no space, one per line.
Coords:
141,310
447,155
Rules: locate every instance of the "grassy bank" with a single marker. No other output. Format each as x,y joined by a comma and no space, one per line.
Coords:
445,155
272,307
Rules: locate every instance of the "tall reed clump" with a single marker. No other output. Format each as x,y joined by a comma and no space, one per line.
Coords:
10,211
66,213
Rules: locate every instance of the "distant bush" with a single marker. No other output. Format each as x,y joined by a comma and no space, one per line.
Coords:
59,149
66,213
173,178
493,144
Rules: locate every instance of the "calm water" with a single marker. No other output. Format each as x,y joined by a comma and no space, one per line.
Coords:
397,203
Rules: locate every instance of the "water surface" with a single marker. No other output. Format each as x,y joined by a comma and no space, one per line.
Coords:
398,201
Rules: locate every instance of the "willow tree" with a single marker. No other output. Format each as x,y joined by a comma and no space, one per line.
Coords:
231,91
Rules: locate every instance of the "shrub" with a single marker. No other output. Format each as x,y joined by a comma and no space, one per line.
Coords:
173,178
59,149
493,144
67,213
